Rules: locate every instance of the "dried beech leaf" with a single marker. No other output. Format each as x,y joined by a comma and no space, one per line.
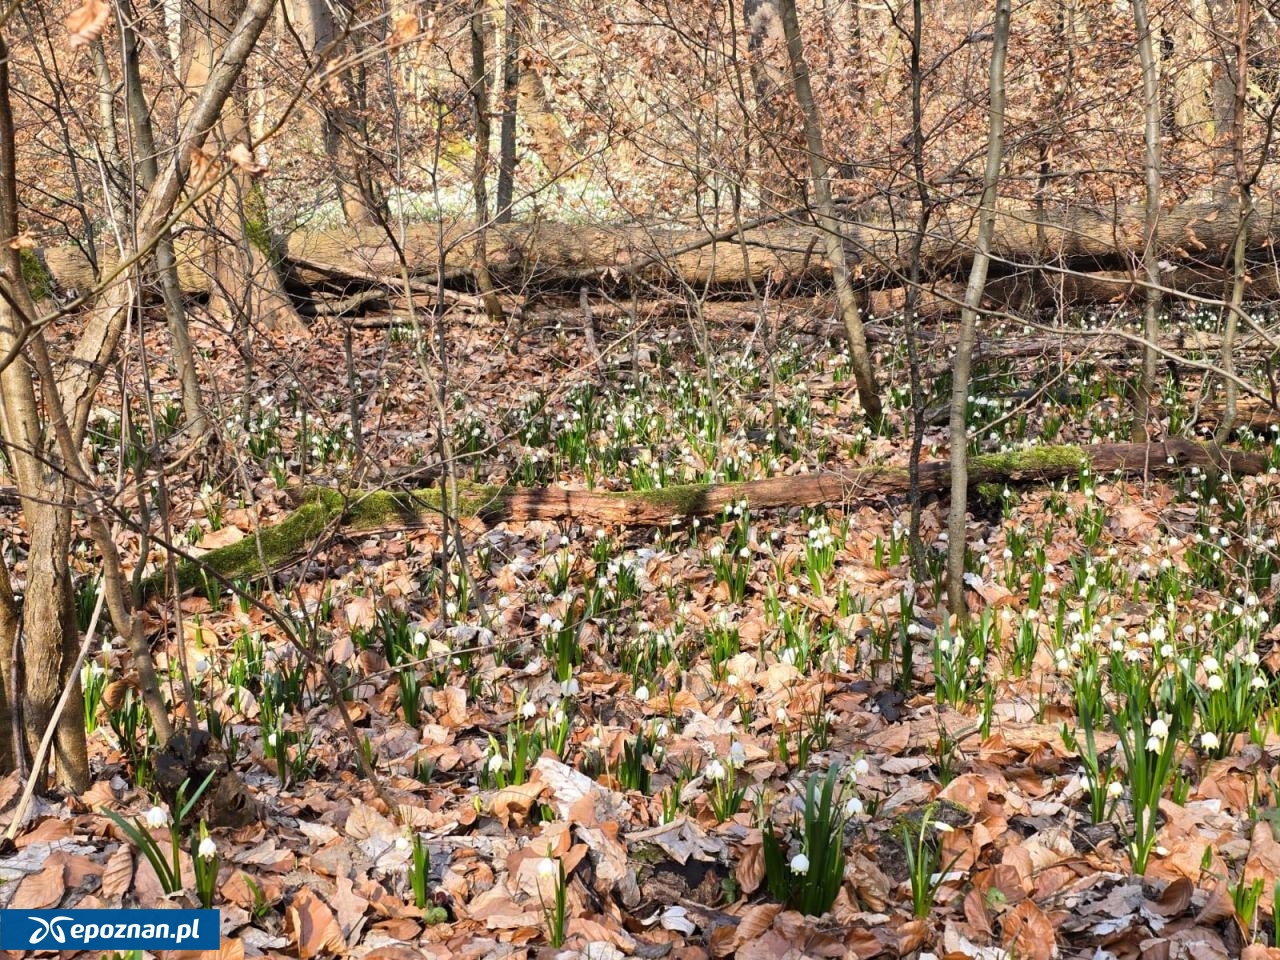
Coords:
243,158
87,23
117,875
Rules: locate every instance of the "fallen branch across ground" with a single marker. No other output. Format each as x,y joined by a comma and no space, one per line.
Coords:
326,510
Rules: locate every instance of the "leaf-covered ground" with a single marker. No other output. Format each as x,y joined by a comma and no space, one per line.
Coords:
675,742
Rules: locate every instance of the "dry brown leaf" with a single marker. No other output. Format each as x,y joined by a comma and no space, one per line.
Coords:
350,907
404,27
749,870
86,23
117,874
204,171
40,891
451,706
511,805
215,539
1028,933
757,920
243,159
313,926
1263,861
365,822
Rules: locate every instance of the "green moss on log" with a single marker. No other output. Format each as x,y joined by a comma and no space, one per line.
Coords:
273,545
682,500
1030,462
35,274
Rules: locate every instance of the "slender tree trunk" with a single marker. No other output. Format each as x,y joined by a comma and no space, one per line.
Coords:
510,99
139,113
1244,200
479,184
1151,315
956,521
828,224
244,285
912,319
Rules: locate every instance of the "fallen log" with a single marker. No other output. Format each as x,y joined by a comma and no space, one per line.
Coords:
1103,245
325,510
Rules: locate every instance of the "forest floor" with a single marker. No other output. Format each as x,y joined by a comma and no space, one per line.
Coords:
757,734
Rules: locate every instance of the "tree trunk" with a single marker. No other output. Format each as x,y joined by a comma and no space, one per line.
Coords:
957,518
1151,308
480,164
236,254
1242,188
166,263
828,225
510,95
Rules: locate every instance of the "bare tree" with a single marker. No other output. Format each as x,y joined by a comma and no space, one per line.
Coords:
825,215
956,521
1150,264
44,439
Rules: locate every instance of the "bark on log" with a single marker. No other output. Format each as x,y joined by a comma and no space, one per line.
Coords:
329,510
1194,239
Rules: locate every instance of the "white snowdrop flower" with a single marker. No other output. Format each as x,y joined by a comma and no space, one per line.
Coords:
529,710
1115,789
1209,741
1214,681
737,755
793,591
451,609
547,867
272,739
207,849
716,770
780,715
569,688
419,639
1210,663
732,680
496,763
544,621
853,807
1166,650
942,827
975,663
861,767
642,693
788,656
1159,728
800,864
156,817
1251,658
1258,683
1133,656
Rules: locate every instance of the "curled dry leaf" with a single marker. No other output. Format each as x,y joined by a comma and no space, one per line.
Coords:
204,171
86,23
244,160
1029,933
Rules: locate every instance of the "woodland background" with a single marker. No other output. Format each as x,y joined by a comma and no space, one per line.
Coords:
476,470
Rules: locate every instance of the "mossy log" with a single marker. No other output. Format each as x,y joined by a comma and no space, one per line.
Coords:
328,510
